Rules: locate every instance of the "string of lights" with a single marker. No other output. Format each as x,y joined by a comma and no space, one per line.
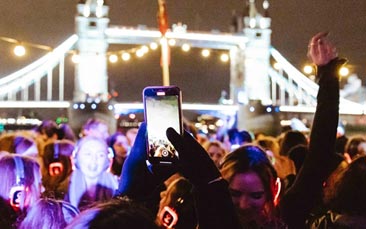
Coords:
125,55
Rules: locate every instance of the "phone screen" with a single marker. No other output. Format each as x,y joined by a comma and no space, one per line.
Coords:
162,110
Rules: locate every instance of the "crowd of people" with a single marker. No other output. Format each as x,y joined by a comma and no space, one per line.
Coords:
54,178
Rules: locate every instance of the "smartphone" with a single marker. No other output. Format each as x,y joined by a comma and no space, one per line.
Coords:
162,109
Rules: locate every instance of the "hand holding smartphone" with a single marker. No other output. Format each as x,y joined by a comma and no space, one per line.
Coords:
162,109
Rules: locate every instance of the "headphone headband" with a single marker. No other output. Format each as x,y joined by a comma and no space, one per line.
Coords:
56,150
19,170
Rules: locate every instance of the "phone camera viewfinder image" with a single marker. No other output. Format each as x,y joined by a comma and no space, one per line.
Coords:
162,110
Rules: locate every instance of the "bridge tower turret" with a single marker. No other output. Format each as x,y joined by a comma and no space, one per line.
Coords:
257,54
91,79
250,83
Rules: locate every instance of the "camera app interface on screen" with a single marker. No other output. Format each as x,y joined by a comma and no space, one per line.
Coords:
162,113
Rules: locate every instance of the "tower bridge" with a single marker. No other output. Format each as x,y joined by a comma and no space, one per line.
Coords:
253,80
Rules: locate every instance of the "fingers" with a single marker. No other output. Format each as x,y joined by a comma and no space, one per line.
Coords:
320,49
174,138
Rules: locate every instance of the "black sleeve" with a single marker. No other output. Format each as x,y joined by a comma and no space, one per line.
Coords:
306,191
215,208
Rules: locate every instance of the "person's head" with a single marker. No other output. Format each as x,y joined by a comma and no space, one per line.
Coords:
347,193
91,156
356,146
20,180
49,213
116,212
238,138
66,132
95,127
119,143
270,145
57,165
18,144
131,135
298,154
48,130
252,183
290,139
215,150
176,208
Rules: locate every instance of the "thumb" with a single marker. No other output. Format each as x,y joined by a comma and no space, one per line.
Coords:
138,151
175,138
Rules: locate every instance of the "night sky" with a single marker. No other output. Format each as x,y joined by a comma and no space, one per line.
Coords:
49,22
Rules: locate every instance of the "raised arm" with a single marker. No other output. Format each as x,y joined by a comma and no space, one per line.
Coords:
306,191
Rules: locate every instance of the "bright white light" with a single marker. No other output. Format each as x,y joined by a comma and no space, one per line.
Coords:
19,50
93,106
153,45
277,66
205,53
252,23
224,57
211,127
344,71
251,109
219,122
75,58
268,109
126,56
186,47
113,58
140,53
110,107
75,106
82,106
308,69
132,116
145,49
172,42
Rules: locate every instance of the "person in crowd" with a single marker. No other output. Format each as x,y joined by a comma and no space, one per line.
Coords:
298,154
20,182
176,208
290,139
66,132
253,187
49,213
345,199
215,150
238,138
119,212
270,145
131,135
355,147
57,168
48,130
119,144
95,127
91,180
143,183
18,143
305,194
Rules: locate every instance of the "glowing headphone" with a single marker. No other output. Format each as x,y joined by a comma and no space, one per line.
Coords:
56,167
17,192
170,214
